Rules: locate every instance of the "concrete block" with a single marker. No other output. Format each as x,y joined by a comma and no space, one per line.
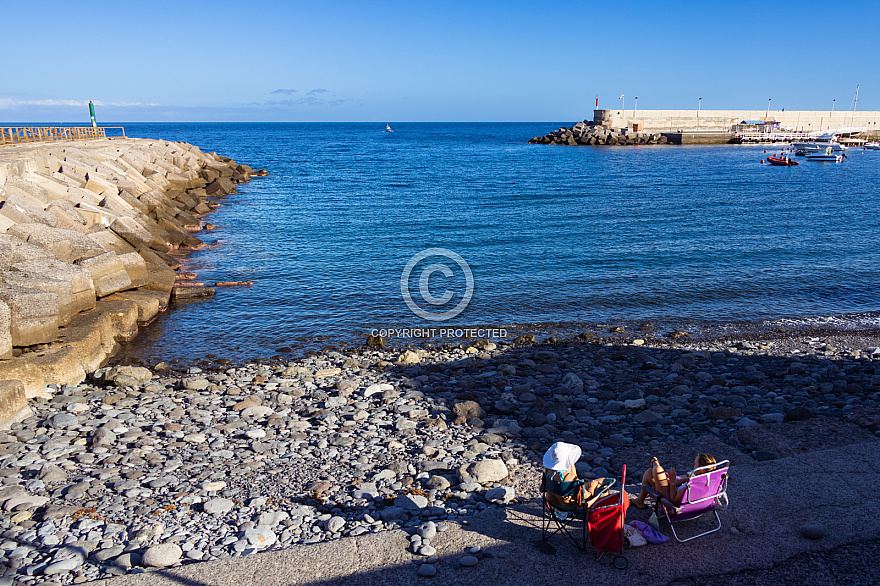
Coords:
77,196
96,184
111,242
36,281
28,374
94,335
14,250
5,224
133,232
25,210
96,215
136,268
13,403
54,189
114,203
57,365
176,234
221,186
69,179
80,279
108,273
5,331
149,303
66,245
34,314
19,185
162,277
132,200
67,216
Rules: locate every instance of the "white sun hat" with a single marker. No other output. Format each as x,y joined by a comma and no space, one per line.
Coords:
561,456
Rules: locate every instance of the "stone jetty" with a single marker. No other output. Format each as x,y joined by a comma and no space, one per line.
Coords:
590,133
89,231
138,468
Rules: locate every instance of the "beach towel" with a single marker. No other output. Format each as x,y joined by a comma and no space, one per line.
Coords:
650,534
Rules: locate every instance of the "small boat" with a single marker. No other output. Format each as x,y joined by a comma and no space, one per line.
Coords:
873,146
828,155
820,143
388,128
781,161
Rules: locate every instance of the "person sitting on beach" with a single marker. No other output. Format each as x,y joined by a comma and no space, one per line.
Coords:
560,482
668,483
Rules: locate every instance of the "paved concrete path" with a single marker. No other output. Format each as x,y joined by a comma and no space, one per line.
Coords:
770,501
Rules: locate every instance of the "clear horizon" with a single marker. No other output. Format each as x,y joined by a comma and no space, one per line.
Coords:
342,61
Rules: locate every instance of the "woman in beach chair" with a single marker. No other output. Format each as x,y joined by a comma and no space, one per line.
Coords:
563,489
566,499
667,483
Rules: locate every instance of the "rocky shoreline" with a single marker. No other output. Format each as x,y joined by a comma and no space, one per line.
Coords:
140,468
91,238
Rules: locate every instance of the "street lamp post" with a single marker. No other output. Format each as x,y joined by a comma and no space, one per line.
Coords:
636,109
699,105
767,115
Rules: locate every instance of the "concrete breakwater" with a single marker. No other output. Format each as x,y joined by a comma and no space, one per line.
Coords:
88,230
589,133
140,468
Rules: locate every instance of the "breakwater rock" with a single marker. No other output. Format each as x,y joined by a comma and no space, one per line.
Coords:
141,467
588,133
89,233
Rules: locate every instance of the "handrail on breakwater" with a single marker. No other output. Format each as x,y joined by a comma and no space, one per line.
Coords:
17,134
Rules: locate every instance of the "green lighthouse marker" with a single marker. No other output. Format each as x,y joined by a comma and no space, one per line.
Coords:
92,114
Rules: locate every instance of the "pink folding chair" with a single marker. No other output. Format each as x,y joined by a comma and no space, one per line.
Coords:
705,492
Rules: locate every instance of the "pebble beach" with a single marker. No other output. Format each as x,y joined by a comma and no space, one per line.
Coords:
140,468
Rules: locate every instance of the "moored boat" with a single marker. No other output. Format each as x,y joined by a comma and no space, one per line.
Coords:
820,143
827,155
781,161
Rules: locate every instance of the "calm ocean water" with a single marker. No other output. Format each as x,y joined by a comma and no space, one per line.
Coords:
551,235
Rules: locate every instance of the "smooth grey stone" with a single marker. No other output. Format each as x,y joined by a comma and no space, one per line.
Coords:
427,571
468,561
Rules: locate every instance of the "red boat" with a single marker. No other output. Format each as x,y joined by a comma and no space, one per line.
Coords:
781,161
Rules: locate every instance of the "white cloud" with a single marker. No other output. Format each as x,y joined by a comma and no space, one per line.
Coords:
10,104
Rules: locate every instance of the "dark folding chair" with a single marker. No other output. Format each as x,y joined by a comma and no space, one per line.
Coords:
569,521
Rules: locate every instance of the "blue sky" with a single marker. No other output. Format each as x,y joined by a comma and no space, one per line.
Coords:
429,60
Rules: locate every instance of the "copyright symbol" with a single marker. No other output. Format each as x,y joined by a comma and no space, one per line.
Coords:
424,290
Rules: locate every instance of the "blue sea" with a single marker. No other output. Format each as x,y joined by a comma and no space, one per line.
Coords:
553,238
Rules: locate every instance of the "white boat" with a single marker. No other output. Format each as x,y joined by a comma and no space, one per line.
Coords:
388,128
873,146
827,155
820,143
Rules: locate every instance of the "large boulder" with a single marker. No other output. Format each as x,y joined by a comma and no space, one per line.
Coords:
484,471
128,376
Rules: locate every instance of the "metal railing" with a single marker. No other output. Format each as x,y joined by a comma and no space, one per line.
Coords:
774,136
18,134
